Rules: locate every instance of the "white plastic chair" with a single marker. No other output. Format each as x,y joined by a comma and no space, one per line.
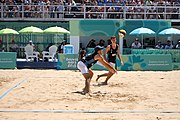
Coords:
51,54
30,53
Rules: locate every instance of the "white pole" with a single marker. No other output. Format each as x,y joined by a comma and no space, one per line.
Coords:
121,44
7,44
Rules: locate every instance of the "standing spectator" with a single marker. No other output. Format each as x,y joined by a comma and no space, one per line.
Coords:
52,9
136,44
168,45
178,45
60,10
159,45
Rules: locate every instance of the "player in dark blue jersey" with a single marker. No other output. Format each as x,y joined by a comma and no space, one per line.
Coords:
87,62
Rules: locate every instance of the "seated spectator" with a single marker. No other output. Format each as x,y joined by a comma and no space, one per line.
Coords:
31,44
101,43
1,46
159,45
136,44
13,47
168,45
178,45
108,42
91,44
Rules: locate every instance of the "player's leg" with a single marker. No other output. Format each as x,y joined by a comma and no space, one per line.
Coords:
91,74
102,75
85,72
110,74
86,89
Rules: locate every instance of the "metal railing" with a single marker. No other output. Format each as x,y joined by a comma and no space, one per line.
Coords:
65,12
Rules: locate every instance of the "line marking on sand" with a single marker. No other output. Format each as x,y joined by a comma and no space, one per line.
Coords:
16,85
48,77
93,111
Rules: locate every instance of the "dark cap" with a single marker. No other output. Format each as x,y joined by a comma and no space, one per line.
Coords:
97,48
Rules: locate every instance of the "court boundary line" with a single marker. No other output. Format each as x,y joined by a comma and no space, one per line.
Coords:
10,89
93,111
17,84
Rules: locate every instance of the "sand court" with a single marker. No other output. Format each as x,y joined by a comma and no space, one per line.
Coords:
45,93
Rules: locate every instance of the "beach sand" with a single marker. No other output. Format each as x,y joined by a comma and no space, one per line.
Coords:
150,94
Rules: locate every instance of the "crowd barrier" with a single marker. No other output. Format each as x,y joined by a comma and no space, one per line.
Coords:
157,62
80,11
175,53
135,61
7,60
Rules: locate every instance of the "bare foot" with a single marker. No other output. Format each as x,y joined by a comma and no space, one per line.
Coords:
85,91
98,76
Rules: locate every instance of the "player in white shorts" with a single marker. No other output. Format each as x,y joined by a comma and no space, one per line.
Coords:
87,62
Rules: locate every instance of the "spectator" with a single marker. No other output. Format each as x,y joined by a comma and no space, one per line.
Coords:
159,45
178,45
108,42
1,46
61,47
101,43
168,45
136,44
82,54
91,44
125,44
31,44
13,47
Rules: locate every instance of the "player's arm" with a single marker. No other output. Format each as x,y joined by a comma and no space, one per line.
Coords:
119,56
105,52
104,63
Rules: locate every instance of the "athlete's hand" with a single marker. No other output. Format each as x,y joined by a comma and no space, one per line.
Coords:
122,63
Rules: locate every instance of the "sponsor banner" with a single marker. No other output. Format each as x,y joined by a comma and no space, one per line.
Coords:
67,61
7,60
146,62
131,62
